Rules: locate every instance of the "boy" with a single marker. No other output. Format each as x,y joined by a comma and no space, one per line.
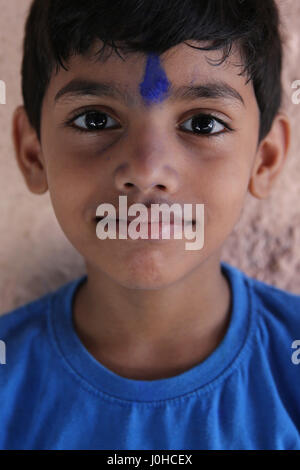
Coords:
156,347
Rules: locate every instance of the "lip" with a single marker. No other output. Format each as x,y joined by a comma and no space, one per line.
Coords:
162,231
147,221
149,216
142,223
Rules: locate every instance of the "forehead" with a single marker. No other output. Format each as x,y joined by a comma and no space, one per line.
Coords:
180,66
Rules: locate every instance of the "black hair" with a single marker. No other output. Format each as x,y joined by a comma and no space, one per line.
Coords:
57,29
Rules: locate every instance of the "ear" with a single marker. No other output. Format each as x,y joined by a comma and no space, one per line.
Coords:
28,152
270,157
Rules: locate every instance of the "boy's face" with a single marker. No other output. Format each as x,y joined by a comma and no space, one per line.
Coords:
148,151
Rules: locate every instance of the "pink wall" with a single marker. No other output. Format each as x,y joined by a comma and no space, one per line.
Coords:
36,257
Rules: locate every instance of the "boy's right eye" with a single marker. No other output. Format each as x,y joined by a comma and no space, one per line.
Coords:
92,121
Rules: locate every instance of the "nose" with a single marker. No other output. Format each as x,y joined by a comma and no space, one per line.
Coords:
149,163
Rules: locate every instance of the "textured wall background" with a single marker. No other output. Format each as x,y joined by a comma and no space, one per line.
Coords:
36,257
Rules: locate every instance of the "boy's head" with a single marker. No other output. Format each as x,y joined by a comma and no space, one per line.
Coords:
115,98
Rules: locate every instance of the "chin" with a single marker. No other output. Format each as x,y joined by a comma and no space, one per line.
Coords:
147,277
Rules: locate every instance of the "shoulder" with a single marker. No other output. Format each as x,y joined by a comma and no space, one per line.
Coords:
23,335
27,317
275,311
29,322
277,314
27,338
266,298
275,303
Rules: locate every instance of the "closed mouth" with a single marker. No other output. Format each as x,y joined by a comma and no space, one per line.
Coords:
99,218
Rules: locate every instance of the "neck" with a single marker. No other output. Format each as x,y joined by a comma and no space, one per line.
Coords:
189,317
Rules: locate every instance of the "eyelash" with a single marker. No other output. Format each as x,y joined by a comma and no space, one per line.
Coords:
69,123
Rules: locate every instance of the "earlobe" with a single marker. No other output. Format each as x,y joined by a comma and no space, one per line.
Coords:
270,157
28,152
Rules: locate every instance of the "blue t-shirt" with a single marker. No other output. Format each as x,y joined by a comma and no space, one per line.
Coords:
246,395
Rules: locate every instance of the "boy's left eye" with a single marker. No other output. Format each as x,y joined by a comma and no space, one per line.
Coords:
93,121
204,124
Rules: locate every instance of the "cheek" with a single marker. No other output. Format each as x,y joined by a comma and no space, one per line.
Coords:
76,180
67,185
222,188
67,163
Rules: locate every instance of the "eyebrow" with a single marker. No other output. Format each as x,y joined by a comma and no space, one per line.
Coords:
216,89
212,90
79,87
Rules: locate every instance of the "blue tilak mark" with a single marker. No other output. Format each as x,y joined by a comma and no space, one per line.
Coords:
155,86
